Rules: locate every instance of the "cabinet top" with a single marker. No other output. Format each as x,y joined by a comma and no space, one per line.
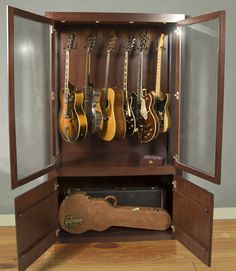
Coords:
97,17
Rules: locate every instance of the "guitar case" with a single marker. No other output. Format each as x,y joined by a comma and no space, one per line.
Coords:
79,213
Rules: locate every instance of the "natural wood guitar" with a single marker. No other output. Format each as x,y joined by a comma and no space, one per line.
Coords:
72,121
162,100
79,213
92,97
113,125
146,118
128,111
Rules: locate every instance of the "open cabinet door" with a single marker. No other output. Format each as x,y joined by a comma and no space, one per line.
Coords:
198,127
31,103
199,96
36,222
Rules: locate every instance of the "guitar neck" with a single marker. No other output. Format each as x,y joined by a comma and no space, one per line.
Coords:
87,68
67,71
158,92
140,78
125,89
107,72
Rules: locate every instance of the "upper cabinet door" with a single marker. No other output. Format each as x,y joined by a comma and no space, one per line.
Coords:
32,145
199,96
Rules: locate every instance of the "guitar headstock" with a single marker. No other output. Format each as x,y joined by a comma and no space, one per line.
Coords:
144,42
130,43
70,42
112,43
91,41
161,43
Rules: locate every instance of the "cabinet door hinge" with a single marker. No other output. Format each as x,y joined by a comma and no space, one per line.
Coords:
174,184
56,185
177,95
53,29
53,95
173,228
57,232
175,157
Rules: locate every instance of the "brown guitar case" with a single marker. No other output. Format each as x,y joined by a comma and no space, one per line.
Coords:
79,213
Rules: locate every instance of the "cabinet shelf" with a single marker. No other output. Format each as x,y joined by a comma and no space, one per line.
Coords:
116,164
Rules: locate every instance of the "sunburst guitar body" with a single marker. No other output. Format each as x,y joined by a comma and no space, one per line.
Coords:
72,120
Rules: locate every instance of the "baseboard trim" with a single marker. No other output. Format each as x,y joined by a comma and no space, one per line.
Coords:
7,220
225,213
219,213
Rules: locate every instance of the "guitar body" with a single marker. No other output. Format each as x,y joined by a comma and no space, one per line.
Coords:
119,115
108,126
130,118
83,123
146,118
93,109
97,117
71,121
161,107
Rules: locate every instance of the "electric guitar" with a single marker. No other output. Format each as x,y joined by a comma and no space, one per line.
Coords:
72,122
128,111
162,100
146,118
113,125
92,97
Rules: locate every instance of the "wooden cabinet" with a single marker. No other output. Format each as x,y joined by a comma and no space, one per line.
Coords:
193,74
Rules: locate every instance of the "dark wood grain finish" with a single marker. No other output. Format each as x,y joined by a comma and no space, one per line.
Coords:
220,99
94,17
202,18
30,15
36,222
53,92
11,98
193,218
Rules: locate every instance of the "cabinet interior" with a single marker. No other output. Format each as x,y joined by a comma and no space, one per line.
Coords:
93,156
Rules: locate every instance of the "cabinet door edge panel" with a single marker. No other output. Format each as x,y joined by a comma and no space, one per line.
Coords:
193,218
36,214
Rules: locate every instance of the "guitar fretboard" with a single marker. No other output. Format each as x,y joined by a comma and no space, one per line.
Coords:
67,72
158,69
125,89
87,82
140,78
107,72
158,73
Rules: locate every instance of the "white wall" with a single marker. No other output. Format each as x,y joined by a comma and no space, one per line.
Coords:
224,194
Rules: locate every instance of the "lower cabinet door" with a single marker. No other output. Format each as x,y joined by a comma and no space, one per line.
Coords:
193,218
36,214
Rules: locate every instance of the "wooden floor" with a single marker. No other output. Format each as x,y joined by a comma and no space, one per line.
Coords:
128,256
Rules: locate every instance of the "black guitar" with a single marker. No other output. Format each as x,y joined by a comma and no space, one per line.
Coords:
128,111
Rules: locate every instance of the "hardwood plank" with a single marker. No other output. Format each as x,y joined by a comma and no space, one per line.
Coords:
166,255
